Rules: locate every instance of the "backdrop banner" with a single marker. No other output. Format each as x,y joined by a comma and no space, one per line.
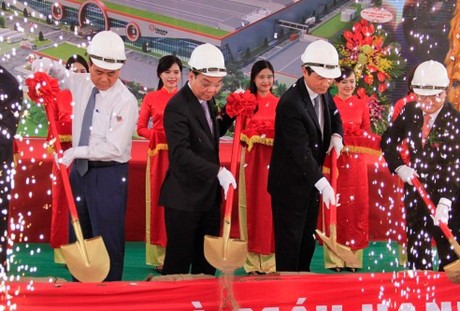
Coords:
404,291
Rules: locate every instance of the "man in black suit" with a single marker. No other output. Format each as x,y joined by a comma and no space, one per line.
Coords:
10,103
303,135
190,192
431,127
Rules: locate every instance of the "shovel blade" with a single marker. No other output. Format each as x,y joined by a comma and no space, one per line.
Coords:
95,267
453,271
343,252
233,258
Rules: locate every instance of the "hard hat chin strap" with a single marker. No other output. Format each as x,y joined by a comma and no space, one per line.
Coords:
108,60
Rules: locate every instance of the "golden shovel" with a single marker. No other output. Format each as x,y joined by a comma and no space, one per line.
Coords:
343,252
224,253
87,260
453,269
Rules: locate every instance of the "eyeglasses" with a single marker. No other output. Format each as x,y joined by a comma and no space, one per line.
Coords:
207,85
436,97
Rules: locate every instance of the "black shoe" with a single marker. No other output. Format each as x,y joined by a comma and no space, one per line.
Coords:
159,269
335,269
252,273
352,270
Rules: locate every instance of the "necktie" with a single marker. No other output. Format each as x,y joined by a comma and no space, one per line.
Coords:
82,164
425,128
316,105
204,105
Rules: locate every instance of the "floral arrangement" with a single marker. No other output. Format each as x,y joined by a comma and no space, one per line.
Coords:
375,65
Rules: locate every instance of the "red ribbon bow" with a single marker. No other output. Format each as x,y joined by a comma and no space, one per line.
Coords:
42,88
241,104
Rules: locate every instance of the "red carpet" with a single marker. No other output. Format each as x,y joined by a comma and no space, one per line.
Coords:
350,292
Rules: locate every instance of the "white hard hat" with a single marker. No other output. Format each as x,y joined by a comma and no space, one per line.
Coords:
322,57
107,50
430,78
208,60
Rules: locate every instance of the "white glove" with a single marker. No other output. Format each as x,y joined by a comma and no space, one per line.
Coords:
225,180
442,211
406,173
42,65
73,153
324,187
337,143
68,157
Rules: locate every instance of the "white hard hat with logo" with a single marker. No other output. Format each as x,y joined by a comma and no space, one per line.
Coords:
208,60
322,57
107,50
430,78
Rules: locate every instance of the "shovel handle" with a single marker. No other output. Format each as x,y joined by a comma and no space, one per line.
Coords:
426,198
236,153
62,167
334,176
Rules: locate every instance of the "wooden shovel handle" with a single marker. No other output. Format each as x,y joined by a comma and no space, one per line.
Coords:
236,153
421,190
334,177
62,167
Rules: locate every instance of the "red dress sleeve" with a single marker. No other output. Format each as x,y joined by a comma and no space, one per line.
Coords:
144,117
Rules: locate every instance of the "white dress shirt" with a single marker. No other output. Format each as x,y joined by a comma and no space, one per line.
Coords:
114,118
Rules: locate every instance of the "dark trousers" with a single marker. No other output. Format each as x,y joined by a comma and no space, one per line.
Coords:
5,188
100,197
421,230
186,231
294,233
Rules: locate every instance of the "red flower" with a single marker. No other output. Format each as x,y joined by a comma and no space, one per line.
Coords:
372,68
42,88
382,87
369,79
381,76
348,35
241,104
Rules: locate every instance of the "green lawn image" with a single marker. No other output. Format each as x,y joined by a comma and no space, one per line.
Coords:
164,19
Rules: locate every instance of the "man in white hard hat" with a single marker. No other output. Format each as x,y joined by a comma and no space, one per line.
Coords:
104,118
307,126
431,128
190,192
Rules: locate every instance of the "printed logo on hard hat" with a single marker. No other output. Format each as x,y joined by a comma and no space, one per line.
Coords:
430,78
322,57
107,50
207,59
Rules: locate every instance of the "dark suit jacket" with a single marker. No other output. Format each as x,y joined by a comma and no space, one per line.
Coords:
438,162
299,149
191,180
10,104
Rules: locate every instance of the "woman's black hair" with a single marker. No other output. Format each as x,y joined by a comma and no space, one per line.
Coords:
164,64
77,59
345,72
256,68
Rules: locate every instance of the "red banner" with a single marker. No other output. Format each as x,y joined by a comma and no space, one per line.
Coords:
404,291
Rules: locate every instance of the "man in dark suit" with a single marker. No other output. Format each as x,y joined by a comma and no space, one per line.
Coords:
303,135
190,192
10,103
431,128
